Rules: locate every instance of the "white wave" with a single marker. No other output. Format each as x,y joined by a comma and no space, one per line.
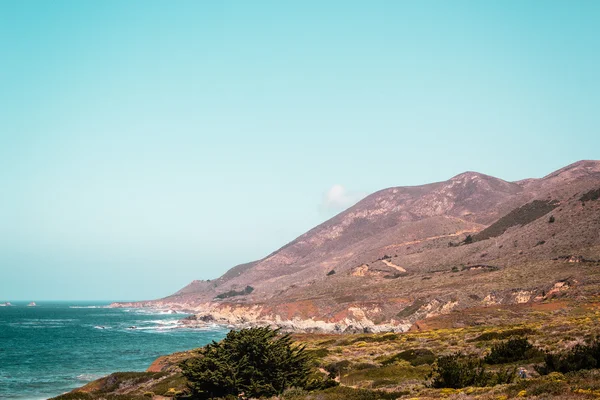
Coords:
208,327
36,326
50,320
164,321
88,377
156,325
155,328
102,327
89,306
42,323
151,311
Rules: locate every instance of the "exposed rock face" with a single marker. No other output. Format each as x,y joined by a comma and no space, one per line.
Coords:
400,255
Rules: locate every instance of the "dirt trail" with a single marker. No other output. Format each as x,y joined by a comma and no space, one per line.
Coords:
389,264
391,246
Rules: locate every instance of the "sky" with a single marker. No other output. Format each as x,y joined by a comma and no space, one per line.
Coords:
144,144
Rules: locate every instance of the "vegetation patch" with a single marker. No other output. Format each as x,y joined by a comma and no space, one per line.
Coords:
495,335
580,357
232,293
410,310
174,383
459,371
338,368
592,195
395,373
414,356
318,353
519,216
487,268
119,380
395,275
374,338
345,393
514,349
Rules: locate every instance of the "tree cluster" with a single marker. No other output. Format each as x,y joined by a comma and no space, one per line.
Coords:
581,356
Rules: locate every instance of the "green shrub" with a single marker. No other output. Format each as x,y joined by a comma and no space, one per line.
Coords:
364,365
502,335
383,382
376,338
519,216
458,371
257,362
74,396
580,357
592,195
414,356
345,393
163,386
318,353
233,293
411,309
514,349
338,368
294,393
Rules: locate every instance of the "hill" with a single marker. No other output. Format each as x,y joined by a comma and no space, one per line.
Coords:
406,254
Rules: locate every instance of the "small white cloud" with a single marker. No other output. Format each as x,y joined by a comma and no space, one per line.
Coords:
338,198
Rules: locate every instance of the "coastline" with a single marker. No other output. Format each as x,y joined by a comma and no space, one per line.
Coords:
240,317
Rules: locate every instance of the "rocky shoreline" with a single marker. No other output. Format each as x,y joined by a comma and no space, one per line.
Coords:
252,316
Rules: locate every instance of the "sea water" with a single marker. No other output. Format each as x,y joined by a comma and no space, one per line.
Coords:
54,347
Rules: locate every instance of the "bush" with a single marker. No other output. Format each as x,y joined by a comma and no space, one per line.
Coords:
345,393
551,219
318,353
592,195
375,338
363,365
410,310
457,371
338,368
415,357
514,349
502,335
233,293
582,356
256,361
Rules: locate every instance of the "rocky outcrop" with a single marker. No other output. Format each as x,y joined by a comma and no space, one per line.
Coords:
371,318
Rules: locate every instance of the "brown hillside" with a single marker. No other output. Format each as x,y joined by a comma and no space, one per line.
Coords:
400,255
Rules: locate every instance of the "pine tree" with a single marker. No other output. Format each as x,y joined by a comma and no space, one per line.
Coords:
256,361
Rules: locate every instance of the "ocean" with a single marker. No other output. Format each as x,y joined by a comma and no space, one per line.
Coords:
54,347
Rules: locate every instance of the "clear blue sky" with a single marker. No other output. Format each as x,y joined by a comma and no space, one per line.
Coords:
144,144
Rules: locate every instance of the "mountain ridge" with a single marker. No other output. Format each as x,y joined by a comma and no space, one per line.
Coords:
371,265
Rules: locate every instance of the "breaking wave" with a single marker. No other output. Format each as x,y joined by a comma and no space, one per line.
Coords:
89,306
